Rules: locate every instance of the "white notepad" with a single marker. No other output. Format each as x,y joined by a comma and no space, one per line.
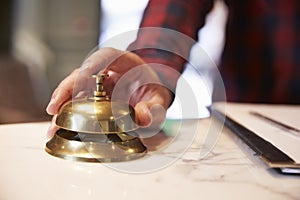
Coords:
286,141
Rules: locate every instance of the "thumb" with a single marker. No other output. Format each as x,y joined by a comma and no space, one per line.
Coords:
148,114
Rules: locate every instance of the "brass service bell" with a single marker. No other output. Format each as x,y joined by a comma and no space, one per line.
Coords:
96,129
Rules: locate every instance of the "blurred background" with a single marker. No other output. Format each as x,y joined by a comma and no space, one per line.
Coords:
42,41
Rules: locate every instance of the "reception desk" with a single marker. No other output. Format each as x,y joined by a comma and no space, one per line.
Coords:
229,170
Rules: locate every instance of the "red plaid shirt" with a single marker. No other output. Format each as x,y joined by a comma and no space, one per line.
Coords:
261,58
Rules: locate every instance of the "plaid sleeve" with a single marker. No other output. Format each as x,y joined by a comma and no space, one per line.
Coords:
168,30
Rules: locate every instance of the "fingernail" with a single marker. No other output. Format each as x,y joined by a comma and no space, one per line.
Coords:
49,109
50,106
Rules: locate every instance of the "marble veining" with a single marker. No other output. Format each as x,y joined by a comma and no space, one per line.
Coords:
229,171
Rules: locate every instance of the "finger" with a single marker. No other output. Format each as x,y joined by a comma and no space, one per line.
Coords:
72,85
149,114
151,119
62,93
81,94
158,113
52,128
97,61
143,115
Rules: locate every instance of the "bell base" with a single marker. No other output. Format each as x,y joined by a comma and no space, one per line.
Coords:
84,147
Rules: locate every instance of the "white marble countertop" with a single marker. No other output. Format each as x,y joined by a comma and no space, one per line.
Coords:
230,171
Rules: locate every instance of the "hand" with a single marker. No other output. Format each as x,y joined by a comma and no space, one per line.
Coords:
149,99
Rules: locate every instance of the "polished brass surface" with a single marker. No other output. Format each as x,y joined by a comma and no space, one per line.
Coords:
95,129
97,114
99,85
97,117
71,145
